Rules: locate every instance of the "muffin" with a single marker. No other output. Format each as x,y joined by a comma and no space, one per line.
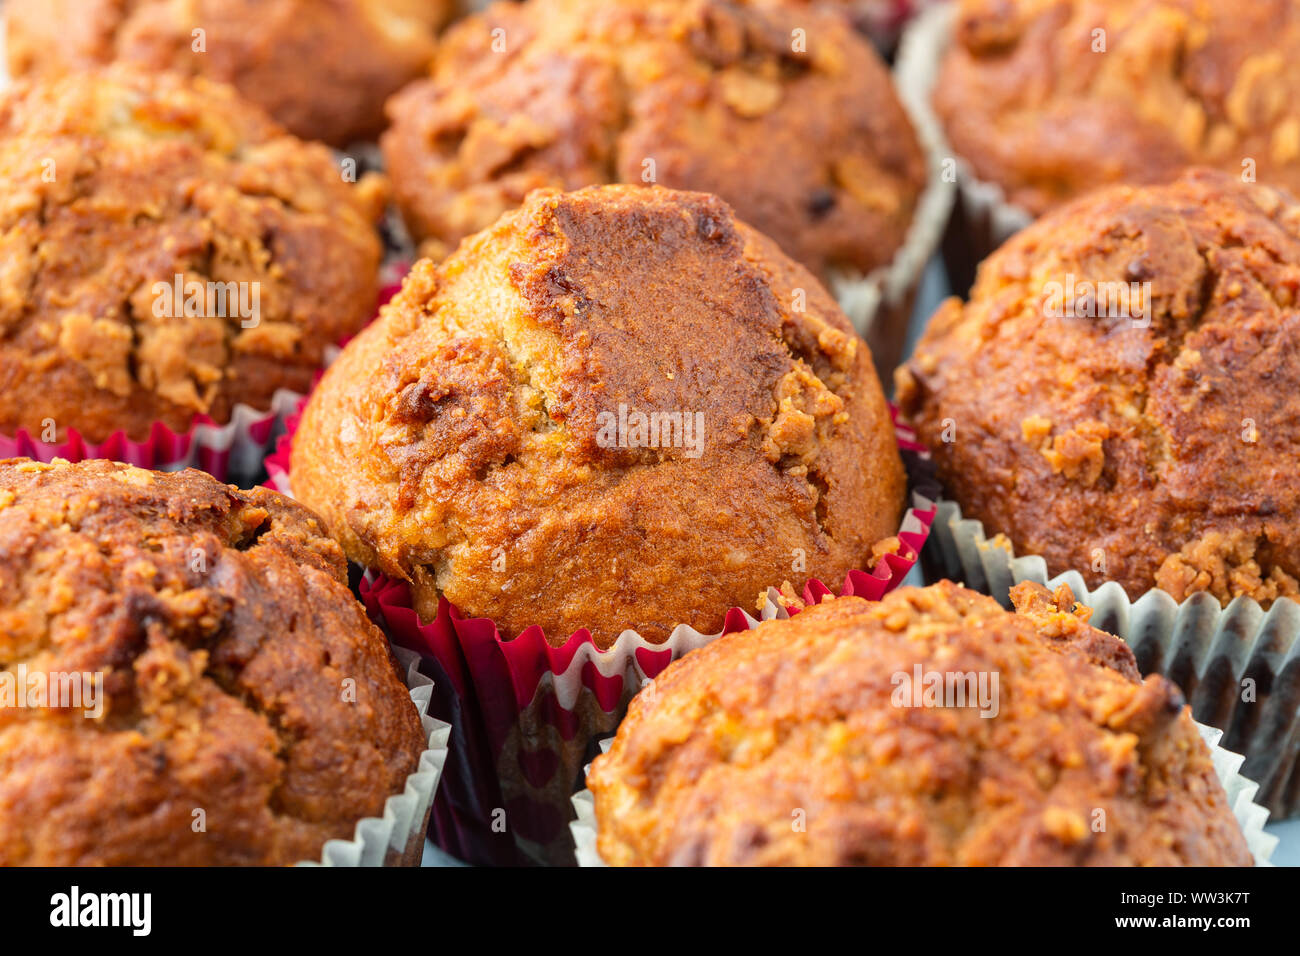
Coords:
1137,368
169,252
809,742
780,108
245,709
323,70
618,408
1048,99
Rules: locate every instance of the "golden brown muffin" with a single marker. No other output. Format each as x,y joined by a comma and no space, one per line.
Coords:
1051,98
801,743
494,454
1156,450
811,148
237,675
321,69
116,183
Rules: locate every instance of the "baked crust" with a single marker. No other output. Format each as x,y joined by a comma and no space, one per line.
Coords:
812,149
1156,457
115,183
783,746
223,630
323,70
1029,99
478,417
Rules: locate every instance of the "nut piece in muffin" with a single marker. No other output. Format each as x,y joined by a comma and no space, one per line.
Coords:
1119,395
216,634
616,408
169,252
779,108
323,70
1050,98
810,742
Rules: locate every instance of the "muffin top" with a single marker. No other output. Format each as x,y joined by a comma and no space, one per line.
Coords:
1137,355
235,675
616,408
812,742
1051,98
167,252
780,108
321,69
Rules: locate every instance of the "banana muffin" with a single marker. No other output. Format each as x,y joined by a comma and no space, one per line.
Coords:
323,70
1050,98
817,742
616,408
1119,395
780,108
224,700
169,252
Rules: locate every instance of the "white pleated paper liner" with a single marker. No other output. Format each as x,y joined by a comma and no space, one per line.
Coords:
397,837
583,827
1239,666
983,218
1227,767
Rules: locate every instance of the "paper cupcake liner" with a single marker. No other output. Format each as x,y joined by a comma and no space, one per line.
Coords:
232,451
525,714
880,304
397,837
1207,650
1227,767
982,217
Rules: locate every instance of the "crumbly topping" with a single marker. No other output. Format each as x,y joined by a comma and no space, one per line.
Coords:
237,675
817,150
359,51
491,415
168,252
1049,98
790,745
1153,448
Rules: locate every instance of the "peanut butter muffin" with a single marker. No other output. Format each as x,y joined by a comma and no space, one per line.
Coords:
1050,98
321,69
808,742
779,108
236,704
168,252
1119,394
616,408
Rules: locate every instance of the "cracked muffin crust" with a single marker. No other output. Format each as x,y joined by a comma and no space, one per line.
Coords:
323,70
488,422
1029,98
118,182
223,630
811,148
1158,452
789,745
